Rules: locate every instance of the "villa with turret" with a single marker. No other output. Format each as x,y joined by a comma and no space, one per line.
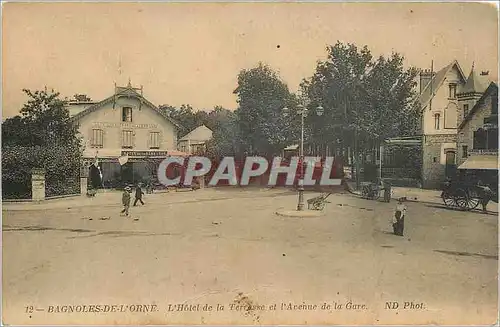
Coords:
446,97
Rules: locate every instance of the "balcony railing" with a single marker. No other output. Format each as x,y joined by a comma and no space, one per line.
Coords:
484,151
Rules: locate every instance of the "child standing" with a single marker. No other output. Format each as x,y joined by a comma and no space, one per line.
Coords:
398,223
126,200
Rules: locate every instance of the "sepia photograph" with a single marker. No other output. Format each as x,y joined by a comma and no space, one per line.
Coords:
250,163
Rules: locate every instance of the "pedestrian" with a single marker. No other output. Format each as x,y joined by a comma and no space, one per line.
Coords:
126,200
387,191
398,222
485,194
138,194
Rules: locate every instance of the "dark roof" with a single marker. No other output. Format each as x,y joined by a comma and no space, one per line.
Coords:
473,84
438,79
489,90
125,91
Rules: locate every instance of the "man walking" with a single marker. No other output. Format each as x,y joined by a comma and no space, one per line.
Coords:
126,200
485,194
138,195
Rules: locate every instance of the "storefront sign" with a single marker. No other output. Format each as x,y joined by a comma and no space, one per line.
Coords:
125,125
145,153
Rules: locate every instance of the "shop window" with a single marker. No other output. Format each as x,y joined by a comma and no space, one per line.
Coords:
127,114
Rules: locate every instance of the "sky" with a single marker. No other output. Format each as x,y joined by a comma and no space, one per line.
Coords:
191,53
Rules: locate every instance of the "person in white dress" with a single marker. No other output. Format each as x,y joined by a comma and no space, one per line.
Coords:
398,222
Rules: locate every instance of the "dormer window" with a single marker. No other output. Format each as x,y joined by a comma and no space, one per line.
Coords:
453,91
127,114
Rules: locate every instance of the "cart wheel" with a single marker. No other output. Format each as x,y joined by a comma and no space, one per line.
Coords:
461,199
364,192
474,199
448,200
473,203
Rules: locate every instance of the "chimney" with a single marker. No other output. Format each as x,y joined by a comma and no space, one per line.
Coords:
425,78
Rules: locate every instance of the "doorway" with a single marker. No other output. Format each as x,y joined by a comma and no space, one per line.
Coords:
127,173
95,177
450,169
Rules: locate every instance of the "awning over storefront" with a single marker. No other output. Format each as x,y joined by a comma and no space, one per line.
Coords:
489,162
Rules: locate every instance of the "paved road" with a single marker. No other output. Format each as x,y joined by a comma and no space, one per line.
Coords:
229,248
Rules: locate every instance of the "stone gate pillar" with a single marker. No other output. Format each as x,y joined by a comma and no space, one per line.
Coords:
37,184
84,176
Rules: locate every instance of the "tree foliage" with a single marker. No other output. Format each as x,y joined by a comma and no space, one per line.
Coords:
81,98
44,120
186,116
225,138
261,96
43,136
376,97
221,121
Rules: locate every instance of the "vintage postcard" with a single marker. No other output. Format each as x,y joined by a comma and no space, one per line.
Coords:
292,163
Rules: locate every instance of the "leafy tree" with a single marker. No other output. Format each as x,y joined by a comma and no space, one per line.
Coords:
43,136
376,98
261,97
186,116
225,138
81,98
44,120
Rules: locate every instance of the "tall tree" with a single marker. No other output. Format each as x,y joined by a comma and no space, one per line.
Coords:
43,136
44,120
186,116
374,97
225,138
261,97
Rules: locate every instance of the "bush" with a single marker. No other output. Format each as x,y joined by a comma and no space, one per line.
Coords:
61,164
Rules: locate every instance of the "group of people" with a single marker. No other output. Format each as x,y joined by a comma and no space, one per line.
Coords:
126,198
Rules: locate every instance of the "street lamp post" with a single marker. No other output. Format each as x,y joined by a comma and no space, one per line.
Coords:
302,111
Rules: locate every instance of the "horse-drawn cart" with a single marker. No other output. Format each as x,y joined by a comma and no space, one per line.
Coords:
461,195
370,191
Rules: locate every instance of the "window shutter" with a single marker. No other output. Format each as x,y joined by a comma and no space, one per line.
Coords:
122,137
103,137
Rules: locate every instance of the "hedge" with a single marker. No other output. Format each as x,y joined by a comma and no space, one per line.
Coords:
61,164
